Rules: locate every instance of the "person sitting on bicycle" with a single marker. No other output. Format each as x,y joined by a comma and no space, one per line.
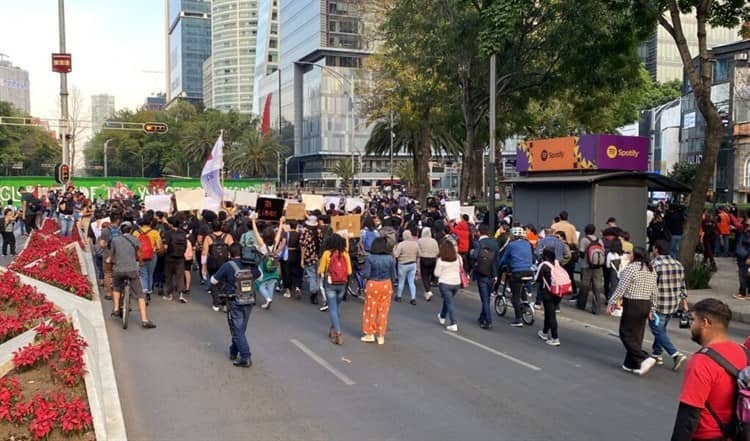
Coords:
125,266
519,256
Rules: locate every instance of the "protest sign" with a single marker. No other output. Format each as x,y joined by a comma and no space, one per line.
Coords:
229,195
190,199
352,203
469,210
269,209
158,202
295,211
245,198
453,210
350,223
212,204
313,201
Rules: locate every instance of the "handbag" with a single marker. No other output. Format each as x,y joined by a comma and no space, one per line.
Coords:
464,276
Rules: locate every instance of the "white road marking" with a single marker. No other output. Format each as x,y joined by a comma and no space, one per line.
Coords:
493,351
316,358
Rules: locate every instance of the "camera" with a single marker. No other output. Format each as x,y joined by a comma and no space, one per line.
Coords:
684,319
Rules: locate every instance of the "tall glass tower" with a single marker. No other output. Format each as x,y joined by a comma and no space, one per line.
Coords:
188,29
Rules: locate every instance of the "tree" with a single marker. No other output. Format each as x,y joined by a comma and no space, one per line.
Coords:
716,13
254,154
31,146
684,173
343,169
405,172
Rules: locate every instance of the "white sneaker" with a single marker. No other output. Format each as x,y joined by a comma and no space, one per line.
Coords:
542,335
679,359
453,328
428,295
266,305
367,338
215,308
324,307
287,295
441,320
553,342
381,340
646,366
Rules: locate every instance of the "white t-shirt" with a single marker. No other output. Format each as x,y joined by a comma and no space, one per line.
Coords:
448,273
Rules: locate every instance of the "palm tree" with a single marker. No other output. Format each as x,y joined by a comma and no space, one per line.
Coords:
343,169
254,154
405,171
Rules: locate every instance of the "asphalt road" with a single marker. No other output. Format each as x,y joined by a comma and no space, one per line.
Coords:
176,382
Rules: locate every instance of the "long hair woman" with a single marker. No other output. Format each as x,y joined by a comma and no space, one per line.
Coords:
448,272
380,272
335,249
638,289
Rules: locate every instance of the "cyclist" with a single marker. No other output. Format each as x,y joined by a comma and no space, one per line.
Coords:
126,261
519,256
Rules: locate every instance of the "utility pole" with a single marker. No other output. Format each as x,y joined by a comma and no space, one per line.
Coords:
63,86
106,146
493,117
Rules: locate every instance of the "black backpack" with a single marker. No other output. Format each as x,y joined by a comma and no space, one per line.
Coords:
485,261
218,253
34,204
179,243
244,293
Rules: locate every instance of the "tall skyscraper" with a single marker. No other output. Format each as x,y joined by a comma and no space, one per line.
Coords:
660,54
267,49
188,24
14,85
102,108
234,26
322,46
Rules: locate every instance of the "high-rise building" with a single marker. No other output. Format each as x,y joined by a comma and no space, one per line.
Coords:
156,102
660,54
188,25
322,45
267,49
14,85
208,82
102,108
232,64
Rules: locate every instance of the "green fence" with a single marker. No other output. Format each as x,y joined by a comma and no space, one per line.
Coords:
104,188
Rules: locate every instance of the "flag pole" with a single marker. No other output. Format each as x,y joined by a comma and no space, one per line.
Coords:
221,175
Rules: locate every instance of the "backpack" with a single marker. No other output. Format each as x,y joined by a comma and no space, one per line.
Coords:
114,232
561,284
269,267
250,253
218,253
147,251
485,261
738,428
179,244
34,204
244,294
369,238
595,255
338,273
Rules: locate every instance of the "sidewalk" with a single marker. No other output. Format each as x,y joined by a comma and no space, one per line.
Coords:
724,285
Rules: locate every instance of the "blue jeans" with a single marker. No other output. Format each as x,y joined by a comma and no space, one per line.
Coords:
661,339
485,285
237,318
723,241
334,296
406,274
66,225
147,274
449,307
311,271
99,265
674,246
267,288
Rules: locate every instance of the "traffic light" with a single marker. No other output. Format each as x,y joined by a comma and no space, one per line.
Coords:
62,173
154,127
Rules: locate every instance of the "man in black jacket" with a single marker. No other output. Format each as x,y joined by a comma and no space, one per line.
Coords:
484,256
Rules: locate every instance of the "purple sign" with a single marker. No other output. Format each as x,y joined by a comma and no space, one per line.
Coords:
616,152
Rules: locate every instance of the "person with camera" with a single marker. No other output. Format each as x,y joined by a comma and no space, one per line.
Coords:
239,311
672,297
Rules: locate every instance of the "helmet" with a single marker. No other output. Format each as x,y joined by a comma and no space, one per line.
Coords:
518,232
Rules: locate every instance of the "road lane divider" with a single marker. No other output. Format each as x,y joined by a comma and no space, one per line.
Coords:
324,364
494,351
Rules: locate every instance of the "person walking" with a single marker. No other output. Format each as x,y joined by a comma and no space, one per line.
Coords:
146,227
406,254
310,241
518,256
670,279
335,267
657,230
551,302
592,270
448,272
175,240
486,270
639,290
429,250
125,263
708,237
269,266
723,227
9,237
742,253
291,271
380,273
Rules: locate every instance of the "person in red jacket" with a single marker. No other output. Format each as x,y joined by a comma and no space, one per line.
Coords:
463,235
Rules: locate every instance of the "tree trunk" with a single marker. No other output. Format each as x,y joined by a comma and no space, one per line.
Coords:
471,168
422,164
714,134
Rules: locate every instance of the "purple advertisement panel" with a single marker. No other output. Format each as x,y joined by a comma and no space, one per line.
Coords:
616,152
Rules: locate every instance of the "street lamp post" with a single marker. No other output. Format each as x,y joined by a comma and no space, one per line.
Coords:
63,85
491,171
286,171
106,146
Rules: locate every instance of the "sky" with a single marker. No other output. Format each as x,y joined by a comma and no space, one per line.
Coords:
111,41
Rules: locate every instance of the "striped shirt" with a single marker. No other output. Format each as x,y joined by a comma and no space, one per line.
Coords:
671,283
636,283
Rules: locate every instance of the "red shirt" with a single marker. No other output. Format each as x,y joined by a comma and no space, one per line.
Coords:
462,231
723,224
707,382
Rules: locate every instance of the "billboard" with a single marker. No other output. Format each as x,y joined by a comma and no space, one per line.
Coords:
587,152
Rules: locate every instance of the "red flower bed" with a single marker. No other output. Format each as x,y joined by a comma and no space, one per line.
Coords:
44,397
40,245
50,227
21,307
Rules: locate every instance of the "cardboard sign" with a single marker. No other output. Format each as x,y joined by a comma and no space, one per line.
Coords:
190,199
96,227
229,195
313,201
295,211
352,203
453,210
245,198
158,202
269,209
470,211
350,223
212,204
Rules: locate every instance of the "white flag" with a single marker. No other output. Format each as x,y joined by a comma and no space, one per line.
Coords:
211,174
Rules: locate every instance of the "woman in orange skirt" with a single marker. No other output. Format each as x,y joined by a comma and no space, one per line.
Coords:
380,272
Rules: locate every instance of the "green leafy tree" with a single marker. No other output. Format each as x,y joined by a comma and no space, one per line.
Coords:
684,173
405,172
254,155
343,169
716,13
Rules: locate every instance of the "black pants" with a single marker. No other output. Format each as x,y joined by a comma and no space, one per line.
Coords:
174,272
516,289
9,241
30,223
632,327
427,271
291,273
551,303
570,268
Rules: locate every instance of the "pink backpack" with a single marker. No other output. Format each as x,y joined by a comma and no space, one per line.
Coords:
561,285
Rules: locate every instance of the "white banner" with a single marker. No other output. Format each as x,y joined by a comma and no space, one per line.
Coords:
352,203
229,195
246,199
159,202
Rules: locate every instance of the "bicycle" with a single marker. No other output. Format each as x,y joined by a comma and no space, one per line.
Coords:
125,303
503,296
356,286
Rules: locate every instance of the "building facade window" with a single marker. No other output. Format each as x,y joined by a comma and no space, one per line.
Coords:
746,181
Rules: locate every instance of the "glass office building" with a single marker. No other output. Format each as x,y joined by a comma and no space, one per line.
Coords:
267,50
14,85
188,46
